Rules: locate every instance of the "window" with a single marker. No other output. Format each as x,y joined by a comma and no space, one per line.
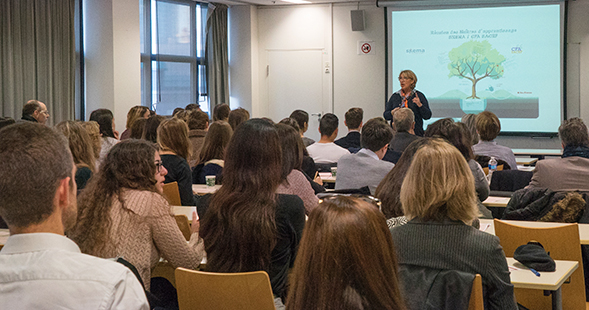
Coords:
172,54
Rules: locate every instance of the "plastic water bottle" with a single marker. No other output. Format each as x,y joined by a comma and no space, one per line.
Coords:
492,168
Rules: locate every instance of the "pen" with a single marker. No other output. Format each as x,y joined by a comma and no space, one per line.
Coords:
535,272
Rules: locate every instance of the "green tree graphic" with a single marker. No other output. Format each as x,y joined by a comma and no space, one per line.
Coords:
474,60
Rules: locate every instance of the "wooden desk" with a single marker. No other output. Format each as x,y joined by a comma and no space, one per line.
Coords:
493,201
525,161
488,226
203,189
538,153
547,281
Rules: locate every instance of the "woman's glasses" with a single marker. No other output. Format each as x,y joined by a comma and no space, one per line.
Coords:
158,166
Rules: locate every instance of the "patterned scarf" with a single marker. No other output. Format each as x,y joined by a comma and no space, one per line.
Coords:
580,151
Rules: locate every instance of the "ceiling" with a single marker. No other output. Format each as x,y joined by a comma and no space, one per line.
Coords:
282,3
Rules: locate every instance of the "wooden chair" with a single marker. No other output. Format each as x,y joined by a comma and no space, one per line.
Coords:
476,295
486,169
562,243
184,225
219,291
172,193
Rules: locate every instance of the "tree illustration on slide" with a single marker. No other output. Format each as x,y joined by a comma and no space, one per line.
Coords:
474,61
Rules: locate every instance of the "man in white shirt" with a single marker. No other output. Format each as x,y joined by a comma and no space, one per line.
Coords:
366,168
40,268
325,151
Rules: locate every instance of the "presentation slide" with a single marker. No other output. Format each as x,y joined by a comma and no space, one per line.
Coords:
506,60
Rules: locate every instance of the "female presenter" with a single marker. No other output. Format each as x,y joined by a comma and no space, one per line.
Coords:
408,97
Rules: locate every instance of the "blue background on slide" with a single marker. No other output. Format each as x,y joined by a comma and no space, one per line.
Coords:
532,73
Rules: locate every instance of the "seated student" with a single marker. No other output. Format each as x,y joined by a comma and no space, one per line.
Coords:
294,181
346,260
325,151
172,136
138,128
40,267
106,123
135,113
246,225
192,107
353,120
93,130
440,211
302,119
198,124
82,151
404,126
571,172
366,168
488,127
122,213
221,112
470,121
238,116
210,160
150,131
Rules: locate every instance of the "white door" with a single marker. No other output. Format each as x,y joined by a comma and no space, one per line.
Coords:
297,80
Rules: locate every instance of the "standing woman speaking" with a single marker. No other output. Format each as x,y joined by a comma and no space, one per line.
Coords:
408,97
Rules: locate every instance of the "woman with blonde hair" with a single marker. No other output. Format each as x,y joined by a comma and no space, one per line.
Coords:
93,130
211,157
135,113
346,260
439,199
172,136
409,97
82,150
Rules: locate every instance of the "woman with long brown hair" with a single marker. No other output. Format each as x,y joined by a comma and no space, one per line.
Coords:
210,160
172,136
246,225
346,260
122,213
135,113
82,150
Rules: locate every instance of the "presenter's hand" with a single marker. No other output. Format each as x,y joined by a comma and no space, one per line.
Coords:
417,101
394,110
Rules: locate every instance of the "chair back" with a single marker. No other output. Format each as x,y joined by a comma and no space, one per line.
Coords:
184,225
563,243
484,162
219,291
172,194
476,295
486,169
510,180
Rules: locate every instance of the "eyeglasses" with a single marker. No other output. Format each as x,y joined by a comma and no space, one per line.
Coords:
158,166
404,78
44,112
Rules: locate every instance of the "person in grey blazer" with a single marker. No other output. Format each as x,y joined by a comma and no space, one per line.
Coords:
438,198
366,168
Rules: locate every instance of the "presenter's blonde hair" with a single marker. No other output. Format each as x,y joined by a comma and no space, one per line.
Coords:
410,75
439,185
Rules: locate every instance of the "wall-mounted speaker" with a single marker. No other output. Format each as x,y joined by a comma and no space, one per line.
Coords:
358,21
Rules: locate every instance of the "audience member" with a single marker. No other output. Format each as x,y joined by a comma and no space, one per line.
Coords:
41,268
198,124
346,260
5,121
138,128
221,112
150,131
210,160
366,168
390,187
172,136
459,137
93,130
326,151
440,211
294,182
176,111
247,226
238,116
106,123
488,127
302,119
470,121
192,107
122,213
183,115
82,151
35,111
133,115
571,172
353,120
404,126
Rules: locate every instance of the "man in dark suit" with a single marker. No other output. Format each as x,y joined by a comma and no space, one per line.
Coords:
404,125
353,120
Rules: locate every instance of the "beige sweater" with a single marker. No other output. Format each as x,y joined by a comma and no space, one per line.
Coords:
144,229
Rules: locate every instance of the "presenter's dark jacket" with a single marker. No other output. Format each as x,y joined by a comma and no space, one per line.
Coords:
421,113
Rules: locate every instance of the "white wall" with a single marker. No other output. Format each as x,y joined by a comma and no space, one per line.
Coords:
113,79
